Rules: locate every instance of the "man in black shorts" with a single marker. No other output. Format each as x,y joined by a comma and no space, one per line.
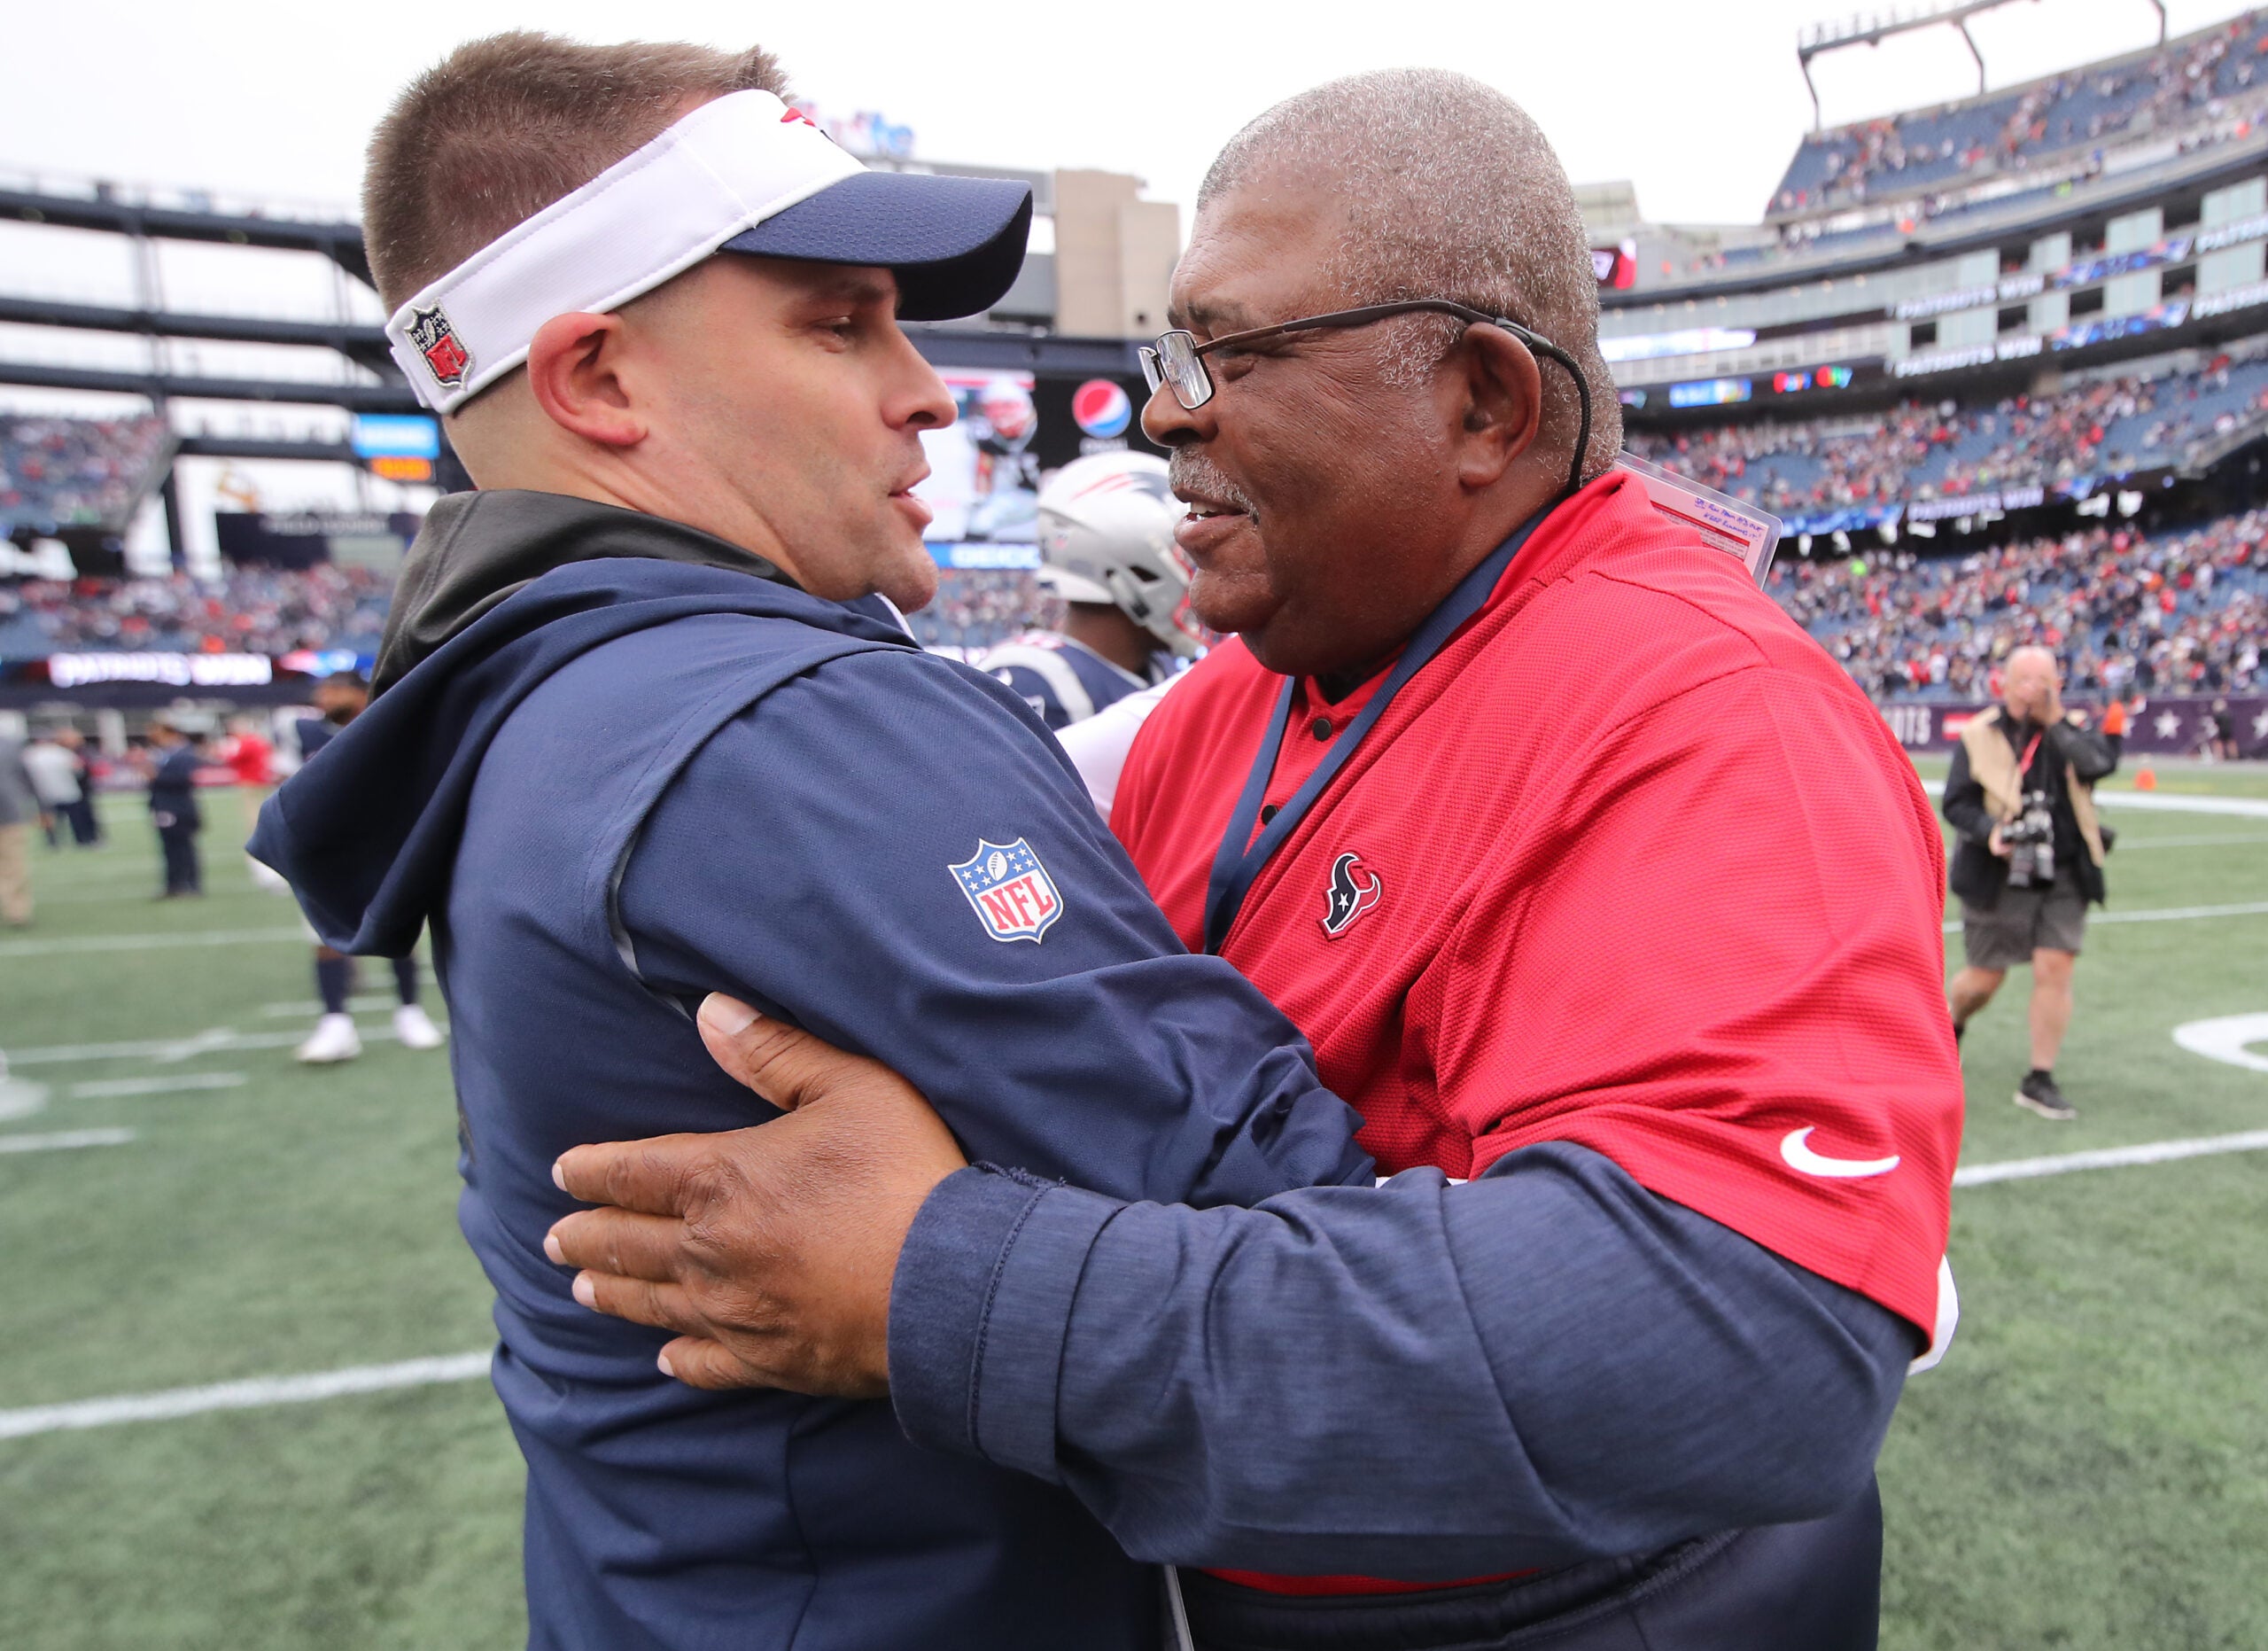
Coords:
2028,857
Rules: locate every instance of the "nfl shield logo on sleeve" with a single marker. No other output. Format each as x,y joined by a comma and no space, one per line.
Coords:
1009,890
432,337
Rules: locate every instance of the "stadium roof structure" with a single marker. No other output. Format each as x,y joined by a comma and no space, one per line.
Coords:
378,386
1818,39
2054,127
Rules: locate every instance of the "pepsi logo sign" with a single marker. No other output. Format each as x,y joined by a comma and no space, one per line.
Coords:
1101,408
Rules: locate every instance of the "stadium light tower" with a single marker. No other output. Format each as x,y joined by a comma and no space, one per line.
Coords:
1872,29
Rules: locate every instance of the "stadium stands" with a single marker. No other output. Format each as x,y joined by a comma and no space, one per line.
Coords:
2217,73
2182,613
1918,450
976,609
248,611
70,473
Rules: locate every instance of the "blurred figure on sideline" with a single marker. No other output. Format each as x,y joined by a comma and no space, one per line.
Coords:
2020,793
19,802
341,697
59,778
174,809
250,754
1106,541
86,825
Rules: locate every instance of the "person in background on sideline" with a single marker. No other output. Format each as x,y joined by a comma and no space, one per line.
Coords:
59,783
86,828
2028,860
19,802
174,809
250,755
1106,541
341,697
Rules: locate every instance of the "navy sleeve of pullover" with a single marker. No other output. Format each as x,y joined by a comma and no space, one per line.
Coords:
806,859
1421,1381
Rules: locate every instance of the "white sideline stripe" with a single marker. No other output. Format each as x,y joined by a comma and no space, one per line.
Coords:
2167,802
261,1391
178,1048
63,1140
147,942
2170,914
2178,914
2128,844
2110,1159
256,1394
2164,802
106,1088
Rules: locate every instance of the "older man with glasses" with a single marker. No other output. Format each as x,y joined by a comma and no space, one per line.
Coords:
1600,891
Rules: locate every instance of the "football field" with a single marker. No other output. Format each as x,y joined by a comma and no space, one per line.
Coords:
195,1226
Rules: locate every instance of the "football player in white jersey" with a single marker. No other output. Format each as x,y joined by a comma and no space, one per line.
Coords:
1105,545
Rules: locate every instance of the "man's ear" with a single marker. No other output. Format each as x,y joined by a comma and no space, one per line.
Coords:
1502,389
574,369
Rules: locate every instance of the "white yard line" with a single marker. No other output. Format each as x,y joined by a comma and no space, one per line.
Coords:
2168,913
107,1088
2168,802
64,1139
2164,802
2127,844
256,1394
178,1048
2110,1159
262,1391
148,942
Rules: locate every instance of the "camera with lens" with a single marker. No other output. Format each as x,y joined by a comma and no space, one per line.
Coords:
2029,839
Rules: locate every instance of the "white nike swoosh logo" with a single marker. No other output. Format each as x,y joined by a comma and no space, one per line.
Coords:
1795,1146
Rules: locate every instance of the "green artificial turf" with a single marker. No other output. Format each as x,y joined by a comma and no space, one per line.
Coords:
2089,1469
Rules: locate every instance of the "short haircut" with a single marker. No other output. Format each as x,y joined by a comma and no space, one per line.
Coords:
1451,191
503,127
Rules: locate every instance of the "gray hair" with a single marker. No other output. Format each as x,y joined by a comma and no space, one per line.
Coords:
1451,191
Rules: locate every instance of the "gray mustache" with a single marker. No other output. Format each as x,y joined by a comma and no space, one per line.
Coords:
1190,474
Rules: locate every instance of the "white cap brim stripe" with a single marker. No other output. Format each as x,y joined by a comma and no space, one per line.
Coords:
724,168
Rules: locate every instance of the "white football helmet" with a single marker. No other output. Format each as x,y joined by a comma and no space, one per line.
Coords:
1106,535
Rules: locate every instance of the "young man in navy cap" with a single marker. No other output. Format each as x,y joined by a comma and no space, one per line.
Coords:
645,727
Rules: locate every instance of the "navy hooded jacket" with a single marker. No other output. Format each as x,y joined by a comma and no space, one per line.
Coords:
657,770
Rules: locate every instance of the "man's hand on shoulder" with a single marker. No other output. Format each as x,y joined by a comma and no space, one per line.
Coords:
769,1250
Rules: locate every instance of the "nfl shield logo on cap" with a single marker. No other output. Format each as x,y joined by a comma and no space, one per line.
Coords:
1009,890
432,337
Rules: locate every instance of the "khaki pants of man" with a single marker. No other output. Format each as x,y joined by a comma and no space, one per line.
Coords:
15,874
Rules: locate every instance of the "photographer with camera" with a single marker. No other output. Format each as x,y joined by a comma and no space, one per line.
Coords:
2021,797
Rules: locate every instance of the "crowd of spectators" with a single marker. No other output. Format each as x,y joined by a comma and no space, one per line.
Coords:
67,473
2203,79
247,611
2187,613
977,609
1928,450
2181,614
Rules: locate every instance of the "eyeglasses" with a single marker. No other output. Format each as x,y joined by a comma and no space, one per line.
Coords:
1178,360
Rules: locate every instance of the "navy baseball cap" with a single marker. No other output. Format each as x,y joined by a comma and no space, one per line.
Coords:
955,245
745,173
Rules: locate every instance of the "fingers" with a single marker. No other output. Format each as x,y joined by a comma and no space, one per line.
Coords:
665,1307
617,1241
786,1067
697,1361
650,1176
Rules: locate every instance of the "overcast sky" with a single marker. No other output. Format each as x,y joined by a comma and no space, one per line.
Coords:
1700,105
